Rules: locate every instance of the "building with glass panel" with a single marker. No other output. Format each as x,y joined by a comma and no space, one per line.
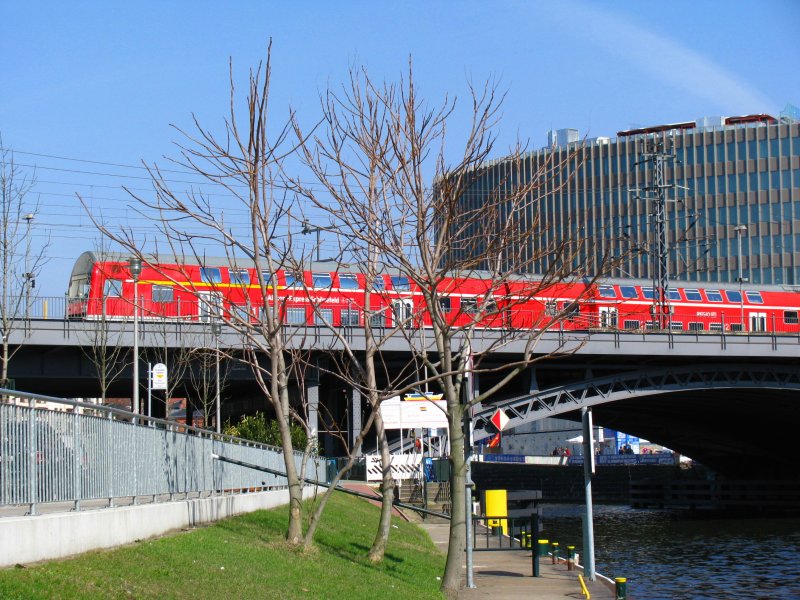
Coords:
733,209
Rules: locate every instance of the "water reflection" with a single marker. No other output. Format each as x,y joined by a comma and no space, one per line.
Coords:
682,555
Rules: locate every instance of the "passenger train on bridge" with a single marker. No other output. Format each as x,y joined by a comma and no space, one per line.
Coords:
334,294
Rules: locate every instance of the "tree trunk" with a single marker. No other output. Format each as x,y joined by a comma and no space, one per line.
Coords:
451,580
378,549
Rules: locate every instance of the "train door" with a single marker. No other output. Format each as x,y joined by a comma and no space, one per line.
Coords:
758,321
608,317
402,311
209,306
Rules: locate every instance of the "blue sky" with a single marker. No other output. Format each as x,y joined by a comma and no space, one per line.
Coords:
103,81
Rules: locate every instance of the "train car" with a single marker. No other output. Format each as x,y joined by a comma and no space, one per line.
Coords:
330,294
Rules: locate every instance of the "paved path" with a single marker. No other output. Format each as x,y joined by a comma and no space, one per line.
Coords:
502,575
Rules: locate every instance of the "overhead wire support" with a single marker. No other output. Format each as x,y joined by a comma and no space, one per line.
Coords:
655,152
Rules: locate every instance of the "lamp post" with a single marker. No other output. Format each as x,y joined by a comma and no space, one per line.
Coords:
29,282
740,231
216,329
307,228
135,264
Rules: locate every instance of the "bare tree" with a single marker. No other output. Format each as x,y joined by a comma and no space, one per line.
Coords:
18,262
429,234
200,366
245,164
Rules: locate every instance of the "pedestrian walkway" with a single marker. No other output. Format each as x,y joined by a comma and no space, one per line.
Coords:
505,575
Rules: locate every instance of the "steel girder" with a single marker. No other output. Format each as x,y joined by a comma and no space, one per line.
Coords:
633,384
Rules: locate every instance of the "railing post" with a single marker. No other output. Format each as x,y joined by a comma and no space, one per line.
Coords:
76,439
33,475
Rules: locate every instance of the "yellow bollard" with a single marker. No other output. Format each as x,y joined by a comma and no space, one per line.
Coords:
555,552
570,558
497,506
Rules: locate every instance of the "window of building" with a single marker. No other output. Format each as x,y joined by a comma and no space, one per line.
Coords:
628,291
607,291
693,295
240,276
754,297
112,288
210,275
348,282
321,280
790,317
733,296
163,293
714,295
296,316
400,284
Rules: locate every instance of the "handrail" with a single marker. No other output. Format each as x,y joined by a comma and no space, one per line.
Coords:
584,589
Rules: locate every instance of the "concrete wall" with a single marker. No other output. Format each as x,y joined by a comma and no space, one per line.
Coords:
57,535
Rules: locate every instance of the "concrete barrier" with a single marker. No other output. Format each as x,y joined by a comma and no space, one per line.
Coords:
58,535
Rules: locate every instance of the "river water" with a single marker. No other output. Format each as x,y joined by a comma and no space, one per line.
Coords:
686,555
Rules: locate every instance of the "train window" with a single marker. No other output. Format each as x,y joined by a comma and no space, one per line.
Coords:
324,316
266,277
400,284
240,312
607,291
693,295
631,324
376,319
714,295
572,310
469,305
733,296
350,318
676,325
163,293
490,306
210,275
696,326
112,288
628,291
348,282
322,280
790,317
715,326
674,295
648,293
550,308
736,327
293,279
444,303
296,316
754,297
379,284
240,276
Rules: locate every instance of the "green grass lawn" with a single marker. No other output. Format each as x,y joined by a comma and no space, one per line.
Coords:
246,557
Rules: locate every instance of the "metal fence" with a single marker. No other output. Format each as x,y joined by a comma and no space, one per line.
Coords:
94,452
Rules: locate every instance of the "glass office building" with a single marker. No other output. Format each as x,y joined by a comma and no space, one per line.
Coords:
736,197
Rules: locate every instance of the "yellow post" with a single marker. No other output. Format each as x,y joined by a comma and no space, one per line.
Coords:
497,506
45,309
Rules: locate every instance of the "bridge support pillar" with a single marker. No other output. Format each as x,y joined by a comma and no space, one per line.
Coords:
312,398
354,400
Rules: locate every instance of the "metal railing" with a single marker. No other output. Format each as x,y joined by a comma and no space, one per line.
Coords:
91,452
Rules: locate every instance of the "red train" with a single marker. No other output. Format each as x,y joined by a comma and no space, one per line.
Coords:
334,294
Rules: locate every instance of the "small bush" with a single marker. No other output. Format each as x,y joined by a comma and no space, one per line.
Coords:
256,428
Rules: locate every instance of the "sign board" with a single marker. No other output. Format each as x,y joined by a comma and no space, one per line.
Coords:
499,419
405,414
158,377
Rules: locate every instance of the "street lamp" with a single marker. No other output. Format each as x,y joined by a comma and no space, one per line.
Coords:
307,228
135,264
216,329
29,281
740,231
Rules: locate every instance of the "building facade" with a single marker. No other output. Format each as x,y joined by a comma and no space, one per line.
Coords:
732,192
